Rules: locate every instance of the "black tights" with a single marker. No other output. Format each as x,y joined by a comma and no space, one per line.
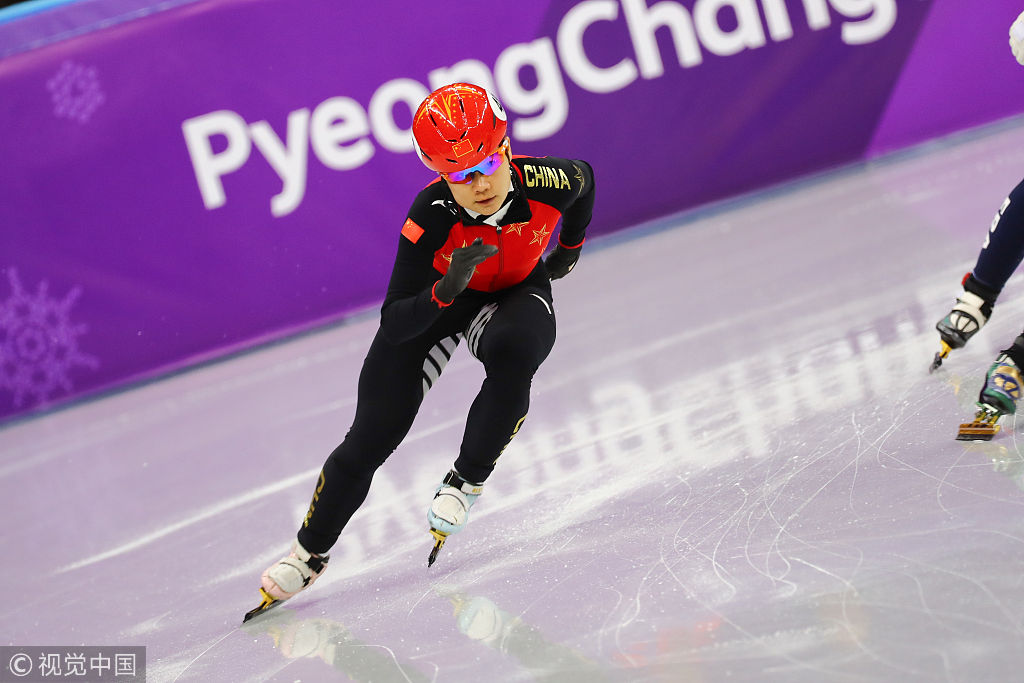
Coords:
511,332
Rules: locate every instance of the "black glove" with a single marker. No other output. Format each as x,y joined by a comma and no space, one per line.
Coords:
464,263
561,261
972,310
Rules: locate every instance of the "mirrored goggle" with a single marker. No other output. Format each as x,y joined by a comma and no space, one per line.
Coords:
486,167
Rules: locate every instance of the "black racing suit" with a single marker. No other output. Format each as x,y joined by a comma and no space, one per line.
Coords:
1004,246
505,315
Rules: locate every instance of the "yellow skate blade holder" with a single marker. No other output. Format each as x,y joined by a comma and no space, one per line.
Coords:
439,539
267,603
940,356
982,428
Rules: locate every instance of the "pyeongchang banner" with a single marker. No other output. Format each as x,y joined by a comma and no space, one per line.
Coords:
188,179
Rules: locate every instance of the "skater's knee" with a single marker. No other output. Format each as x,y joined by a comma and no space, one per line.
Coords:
515,355
358,463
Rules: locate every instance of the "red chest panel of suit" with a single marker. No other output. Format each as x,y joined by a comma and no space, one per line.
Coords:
520,246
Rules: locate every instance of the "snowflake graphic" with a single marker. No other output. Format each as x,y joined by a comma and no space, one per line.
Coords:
38,343
75,91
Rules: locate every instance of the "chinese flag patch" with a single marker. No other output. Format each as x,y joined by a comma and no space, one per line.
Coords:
412,231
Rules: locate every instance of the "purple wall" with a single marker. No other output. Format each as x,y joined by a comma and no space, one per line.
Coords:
176,184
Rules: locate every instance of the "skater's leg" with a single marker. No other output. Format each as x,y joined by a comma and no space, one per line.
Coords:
392,383
1003,380
390,392
999,257
999,394
514,343
512,339
1003,249
1016,350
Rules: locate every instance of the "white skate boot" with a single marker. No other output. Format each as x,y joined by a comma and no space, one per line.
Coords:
449,510
288,576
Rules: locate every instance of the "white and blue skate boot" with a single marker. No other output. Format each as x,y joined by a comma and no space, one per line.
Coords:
998,397
449,510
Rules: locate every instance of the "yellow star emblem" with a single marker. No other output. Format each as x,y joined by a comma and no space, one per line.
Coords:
540,235
517,228
448,257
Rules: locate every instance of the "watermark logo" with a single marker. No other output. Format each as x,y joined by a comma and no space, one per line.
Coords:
96,664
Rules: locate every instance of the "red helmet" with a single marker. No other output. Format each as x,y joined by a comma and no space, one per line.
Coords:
457,127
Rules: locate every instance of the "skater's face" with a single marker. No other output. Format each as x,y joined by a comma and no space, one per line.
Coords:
481,192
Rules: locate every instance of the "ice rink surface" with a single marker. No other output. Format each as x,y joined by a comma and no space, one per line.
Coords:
736,467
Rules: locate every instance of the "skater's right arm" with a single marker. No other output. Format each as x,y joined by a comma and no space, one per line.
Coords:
418,292
408,310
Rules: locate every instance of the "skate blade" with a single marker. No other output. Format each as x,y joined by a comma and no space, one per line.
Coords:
982,428
439,539
939,357
977,431
267,604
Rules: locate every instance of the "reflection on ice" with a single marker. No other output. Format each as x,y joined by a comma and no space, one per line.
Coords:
294,638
